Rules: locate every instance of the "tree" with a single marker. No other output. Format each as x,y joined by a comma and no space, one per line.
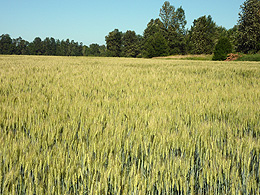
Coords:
174,26
79,49
6,46
66,46
232,35
180,21
49,46
114,43
130,44
103,51
73,48
59,49
155,46
222,48
93,50
202,35
20,46
46,46
221,32
36,47
167,15
154,26
249,27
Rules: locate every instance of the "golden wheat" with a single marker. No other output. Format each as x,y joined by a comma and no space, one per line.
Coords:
77,125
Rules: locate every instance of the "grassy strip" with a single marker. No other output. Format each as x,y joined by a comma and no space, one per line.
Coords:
250,57
202,57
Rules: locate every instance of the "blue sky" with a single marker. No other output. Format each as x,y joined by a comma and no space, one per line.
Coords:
90,21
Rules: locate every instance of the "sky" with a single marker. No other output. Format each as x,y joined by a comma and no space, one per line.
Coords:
89,21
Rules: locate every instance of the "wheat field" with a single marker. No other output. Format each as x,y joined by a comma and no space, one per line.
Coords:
79,125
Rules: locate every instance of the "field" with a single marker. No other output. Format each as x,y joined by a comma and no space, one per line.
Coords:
187,57
78,125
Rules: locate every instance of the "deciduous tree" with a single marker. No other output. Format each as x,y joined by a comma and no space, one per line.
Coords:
202,35
114,43
93,50
174,26
249,27
131,44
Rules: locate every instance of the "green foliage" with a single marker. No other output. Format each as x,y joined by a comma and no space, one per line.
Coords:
173,20
155,46
68,48
177,37
154,26
49,46
151,45
232,35
167,15
114,43
93,50
249,27
202,35
36,47
6,46
222,48
249,57
131,44
174,28
177,43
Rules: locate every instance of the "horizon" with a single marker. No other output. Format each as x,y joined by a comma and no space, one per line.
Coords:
78,20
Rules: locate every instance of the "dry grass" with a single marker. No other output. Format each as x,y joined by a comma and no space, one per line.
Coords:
187,57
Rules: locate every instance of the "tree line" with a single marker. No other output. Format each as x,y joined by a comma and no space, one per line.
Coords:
48,46
166,35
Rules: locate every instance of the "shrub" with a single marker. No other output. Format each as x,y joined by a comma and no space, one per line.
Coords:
222,48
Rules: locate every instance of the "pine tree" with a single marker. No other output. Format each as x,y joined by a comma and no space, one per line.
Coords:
155,46
37,46
249,27
222,48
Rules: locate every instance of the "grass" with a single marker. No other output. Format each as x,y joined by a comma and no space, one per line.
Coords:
202,57
249,57
245,57
83,125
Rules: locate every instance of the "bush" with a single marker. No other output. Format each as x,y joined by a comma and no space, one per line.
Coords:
222,48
